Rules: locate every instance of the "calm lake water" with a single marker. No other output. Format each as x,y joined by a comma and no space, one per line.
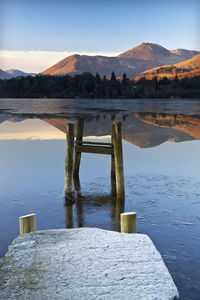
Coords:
161,151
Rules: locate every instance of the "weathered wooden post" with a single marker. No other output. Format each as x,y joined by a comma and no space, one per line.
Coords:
27,224
69,161
79,138
118,155
128,222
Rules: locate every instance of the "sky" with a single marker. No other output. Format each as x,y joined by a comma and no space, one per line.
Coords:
35,34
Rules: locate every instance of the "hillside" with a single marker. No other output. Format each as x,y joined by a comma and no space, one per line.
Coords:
133,62
16,73
12,73
186,54
77,64
4,74
188,68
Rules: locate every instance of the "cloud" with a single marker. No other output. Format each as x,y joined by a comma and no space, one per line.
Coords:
37,61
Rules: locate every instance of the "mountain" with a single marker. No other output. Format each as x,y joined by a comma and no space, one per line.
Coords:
4,74
188,68
77,64
16,73
152,52
159,54
11,73
133,62
186,54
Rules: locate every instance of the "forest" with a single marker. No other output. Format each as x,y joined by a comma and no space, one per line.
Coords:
86,85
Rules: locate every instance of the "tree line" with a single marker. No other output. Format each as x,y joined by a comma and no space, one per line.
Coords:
86,85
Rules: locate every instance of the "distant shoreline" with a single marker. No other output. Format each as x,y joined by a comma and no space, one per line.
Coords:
88,86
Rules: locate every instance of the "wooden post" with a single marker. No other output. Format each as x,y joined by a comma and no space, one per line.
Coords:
79,138
116,210
128,222
27,224
69,160
119,169
69,216
119,209
113,175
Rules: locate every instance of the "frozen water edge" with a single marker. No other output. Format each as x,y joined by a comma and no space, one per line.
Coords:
84,263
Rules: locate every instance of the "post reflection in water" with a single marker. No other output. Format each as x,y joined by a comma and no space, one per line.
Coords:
116,206
77,185
69,216
117,209
79,211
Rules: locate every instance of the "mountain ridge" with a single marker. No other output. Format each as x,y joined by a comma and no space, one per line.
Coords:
132,62
13,73
104,65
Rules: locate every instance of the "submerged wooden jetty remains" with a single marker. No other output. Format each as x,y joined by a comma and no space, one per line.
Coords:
72,162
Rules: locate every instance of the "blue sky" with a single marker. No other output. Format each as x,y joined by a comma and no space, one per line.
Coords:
86,26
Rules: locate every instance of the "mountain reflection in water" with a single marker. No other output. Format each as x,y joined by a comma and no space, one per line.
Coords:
143,130
161,164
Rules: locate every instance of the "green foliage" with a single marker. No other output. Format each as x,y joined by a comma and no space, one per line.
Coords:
88,86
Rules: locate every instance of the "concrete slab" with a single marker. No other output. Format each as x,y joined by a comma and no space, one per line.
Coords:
84,263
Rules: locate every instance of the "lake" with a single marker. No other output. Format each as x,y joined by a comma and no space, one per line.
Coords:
161,151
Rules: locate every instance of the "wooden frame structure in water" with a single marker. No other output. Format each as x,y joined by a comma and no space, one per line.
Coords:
72,162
